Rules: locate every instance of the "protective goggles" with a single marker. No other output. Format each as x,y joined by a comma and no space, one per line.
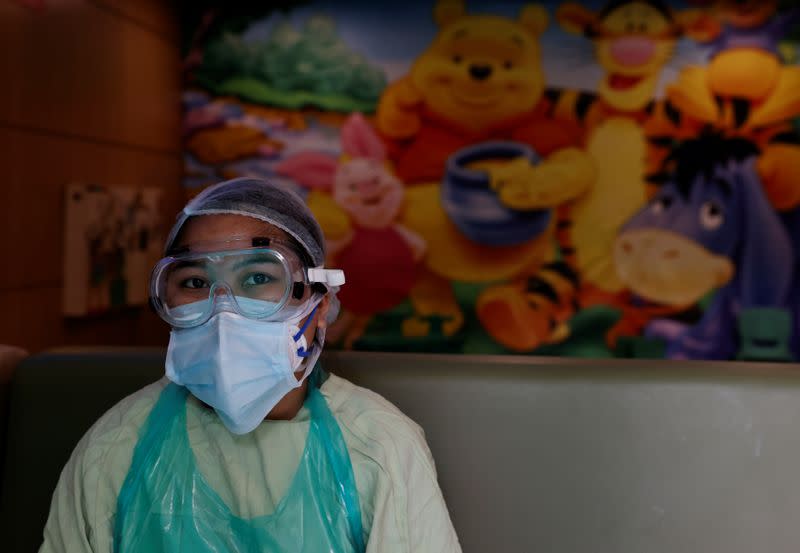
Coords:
259,278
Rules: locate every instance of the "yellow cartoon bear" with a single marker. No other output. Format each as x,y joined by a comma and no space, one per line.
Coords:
479,83
481,79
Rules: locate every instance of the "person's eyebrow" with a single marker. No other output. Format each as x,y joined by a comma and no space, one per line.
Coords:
189,264
254,260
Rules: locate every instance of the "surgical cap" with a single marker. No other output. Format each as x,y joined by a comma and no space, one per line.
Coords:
272,203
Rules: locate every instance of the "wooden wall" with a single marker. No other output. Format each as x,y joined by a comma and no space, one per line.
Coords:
91,92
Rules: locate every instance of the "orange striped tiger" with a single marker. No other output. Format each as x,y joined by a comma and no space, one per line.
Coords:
584,230
778,163
539,305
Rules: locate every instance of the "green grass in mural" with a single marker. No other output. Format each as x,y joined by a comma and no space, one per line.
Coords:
587,339
253,90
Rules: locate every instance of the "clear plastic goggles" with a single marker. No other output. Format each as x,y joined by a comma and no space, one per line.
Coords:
265,281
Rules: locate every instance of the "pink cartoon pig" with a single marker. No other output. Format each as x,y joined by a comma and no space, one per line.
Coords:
379,257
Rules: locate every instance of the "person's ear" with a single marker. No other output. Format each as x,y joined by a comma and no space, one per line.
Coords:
322,311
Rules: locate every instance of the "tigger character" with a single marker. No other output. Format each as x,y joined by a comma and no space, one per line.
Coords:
634,40
550,300
746,82
778,163
479,81
728,96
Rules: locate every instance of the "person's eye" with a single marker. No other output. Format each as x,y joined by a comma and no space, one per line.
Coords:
194,282
257,279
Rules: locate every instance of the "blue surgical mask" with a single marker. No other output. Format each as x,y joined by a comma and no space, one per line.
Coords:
239,366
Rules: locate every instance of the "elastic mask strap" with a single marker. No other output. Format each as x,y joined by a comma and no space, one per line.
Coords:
302,352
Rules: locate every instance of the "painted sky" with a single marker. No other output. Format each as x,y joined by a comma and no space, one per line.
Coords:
393,33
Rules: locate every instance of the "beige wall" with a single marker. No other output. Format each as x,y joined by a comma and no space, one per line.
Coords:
91,92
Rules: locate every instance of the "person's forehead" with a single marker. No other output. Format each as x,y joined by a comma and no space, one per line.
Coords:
227,227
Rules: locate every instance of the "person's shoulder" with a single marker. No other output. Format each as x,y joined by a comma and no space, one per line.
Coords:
85,499
354,402
371,418
394,470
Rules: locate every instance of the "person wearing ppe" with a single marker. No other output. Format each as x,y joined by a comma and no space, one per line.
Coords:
247,444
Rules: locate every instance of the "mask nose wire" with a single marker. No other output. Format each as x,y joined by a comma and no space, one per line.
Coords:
302,352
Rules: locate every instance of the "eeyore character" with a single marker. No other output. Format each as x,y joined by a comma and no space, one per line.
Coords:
710,227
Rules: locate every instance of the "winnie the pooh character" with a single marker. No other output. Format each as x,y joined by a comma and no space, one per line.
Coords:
481,79
479,82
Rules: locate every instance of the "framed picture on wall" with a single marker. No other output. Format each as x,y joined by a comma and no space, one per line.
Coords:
112,238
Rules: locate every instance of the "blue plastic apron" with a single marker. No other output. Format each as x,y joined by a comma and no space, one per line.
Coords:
166,505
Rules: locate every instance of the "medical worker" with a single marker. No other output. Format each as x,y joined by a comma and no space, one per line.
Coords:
247,444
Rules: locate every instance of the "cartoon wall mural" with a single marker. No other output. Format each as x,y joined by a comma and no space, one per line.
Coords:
745,65
580,178
710,227
378,254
